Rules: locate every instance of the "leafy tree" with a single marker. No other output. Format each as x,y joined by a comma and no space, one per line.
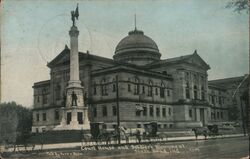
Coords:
15,122
239,5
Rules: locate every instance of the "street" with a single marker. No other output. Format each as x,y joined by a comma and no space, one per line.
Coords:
228,148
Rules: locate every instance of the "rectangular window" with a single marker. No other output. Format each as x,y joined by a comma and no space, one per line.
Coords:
165,126
94,89
212,97
220,101
168,93
79,117
218,115
129,88
221,115
58,92
45,99
114,110
164,112
114,87
143,89
137,89
37,117
151,111
56,114
150,91
187,93
44,117
170,125
38,99
104,111
144,111
95,112
195,94
190,113
162,93
169,111
156,91
159,126
137,110
157,112
203,95
103,89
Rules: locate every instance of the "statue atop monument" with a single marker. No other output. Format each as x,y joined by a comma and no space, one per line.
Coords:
74,15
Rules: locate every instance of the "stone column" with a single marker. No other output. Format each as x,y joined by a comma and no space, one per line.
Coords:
74,58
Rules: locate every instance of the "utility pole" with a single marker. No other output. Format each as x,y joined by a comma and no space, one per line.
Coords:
242,117
118,110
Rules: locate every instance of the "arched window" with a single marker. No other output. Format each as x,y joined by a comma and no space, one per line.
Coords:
162,90
137,86
150,89
195,92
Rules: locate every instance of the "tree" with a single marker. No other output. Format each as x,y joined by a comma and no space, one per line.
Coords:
239,5
15,123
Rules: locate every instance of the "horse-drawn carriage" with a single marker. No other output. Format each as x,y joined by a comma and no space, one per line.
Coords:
100,133
209,130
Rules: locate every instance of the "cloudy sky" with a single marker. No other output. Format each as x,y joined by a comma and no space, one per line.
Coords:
34,32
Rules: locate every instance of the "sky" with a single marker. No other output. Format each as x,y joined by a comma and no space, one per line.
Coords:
34,32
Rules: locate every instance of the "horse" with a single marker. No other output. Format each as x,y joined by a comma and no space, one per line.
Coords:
130,132
201,131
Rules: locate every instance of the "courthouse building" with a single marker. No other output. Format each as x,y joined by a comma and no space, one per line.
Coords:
173,92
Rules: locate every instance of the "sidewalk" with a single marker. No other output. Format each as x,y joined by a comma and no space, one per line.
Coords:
77,145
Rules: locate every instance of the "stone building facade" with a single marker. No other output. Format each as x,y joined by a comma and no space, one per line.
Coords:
173,92
232,92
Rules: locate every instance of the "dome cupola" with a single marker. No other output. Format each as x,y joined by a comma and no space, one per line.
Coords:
137,48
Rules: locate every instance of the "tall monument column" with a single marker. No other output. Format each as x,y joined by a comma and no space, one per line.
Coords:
75,113
74,59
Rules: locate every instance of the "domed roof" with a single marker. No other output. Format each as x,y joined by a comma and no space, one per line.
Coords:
136,41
